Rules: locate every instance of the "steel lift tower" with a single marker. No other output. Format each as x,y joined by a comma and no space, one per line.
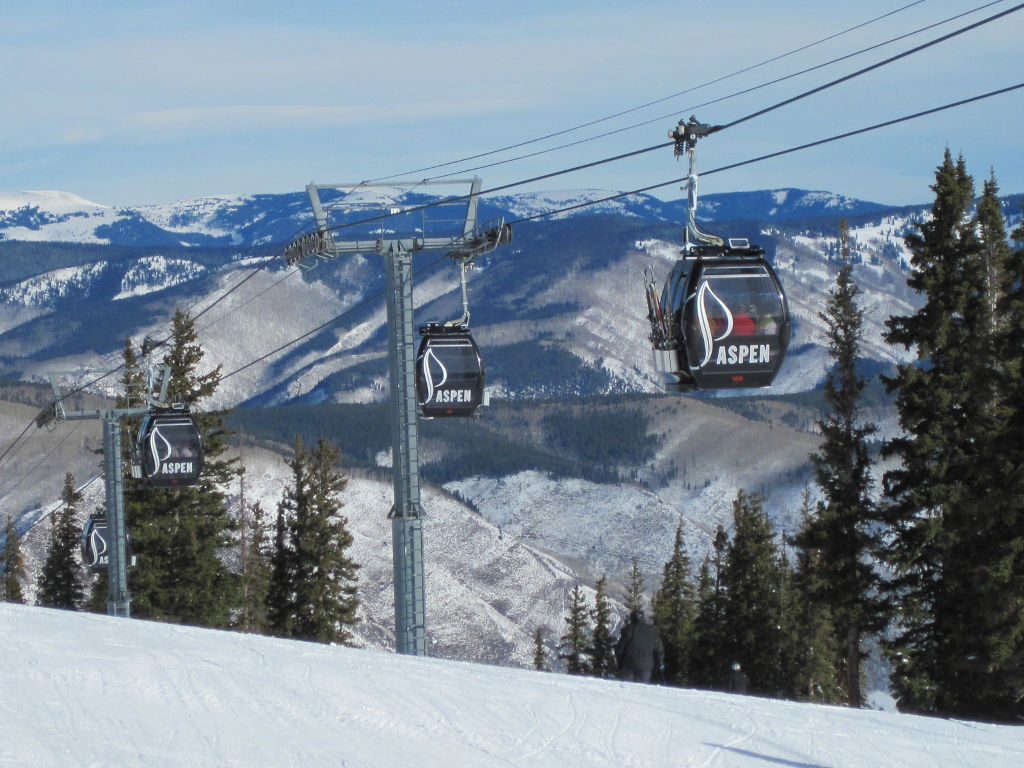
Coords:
118,597
464,245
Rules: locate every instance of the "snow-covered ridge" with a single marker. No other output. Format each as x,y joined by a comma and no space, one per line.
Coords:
155,273
51,215
534,203
48,288
197,215
53,201
264,218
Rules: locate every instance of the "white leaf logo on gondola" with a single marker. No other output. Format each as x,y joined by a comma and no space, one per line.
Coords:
98,546
704,322
428,378
154,450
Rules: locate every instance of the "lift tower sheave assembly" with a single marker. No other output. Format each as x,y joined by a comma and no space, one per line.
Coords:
470,240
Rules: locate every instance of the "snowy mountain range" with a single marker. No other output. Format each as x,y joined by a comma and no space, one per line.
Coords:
559,315
78,276
260,220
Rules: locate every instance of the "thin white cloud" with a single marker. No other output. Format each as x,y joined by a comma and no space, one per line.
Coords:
81,135
252,118
240,115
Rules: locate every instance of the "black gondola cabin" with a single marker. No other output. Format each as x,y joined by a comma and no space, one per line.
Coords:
94,544
170,449
728,321
449,372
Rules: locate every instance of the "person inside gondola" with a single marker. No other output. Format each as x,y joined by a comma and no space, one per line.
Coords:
767,325
744,323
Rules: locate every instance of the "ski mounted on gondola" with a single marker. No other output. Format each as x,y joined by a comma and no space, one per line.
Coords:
721,321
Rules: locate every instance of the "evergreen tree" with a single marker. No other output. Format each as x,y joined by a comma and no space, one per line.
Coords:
1007,648
540,653
603,645
60,584
839,540
281,590
673,609
818,652
949,500
790,626
178,534
995,252
997,534
254,570
754,605
13,565
709,656
635,589
325,575
575,646
313,585
96,602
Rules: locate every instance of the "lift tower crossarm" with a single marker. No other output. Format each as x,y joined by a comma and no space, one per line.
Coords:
324,244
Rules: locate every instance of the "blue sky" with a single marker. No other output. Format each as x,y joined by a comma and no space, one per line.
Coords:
131,103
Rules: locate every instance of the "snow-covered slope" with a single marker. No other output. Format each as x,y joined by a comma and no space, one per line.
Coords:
79,690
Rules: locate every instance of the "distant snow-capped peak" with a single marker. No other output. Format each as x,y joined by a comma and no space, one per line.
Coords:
51,200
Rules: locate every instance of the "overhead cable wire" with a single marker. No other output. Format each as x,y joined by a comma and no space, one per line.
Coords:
41,461
267,261
522,182
584,166
656,101
253,298
771,155
634,153
164,340
91,382
326,324
63,504
780,153
871,68
16,441
718,100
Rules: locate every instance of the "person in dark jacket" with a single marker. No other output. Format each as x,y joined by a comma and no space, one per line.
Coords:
639,651
738,679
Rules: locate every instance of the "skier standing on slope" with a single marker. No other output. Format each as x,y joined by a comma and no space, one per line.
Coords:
639,651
